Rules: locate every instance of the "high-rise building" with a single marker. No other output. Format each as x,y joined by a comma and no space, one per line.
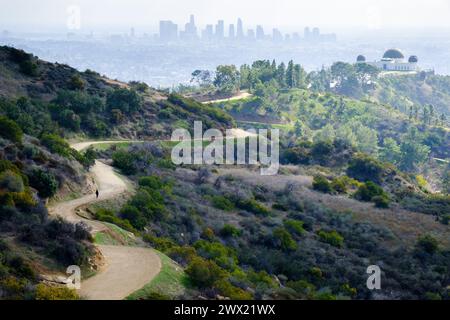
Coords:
316,33
277,36
307,33
168,31
260,33
220,29
208,33
240,30
190,30
231,32
251,34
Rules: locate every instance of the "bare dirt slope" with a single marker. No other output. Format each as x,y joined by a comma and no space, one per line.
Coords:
127,269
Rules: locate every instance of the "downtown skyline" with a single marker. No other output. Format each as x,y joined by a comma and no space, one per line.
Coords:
170,31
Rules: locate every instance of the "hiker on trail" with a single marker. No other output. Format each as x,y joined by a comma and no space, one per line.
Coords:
97,193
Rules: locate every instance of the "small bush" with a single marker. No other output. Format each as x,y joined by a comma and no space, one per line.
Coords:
381,202
253,206
230,231
365,168
222,203
44,182
76,83
204,273
332,237
124,161
294,226
10,130
11,181
285,239
428,244
136,218
321,184
44,292
339,185
368,191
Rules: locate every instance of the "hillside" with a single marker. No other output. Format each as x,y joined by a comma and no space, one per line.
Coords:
72,103
357,186
41,105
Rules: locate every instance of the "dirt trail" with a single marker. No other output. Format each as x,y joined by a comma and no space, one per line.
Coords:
240,96
127,269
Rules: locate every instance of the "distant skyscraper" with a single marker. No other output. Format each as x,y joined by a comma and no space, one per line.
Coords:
307,33
277,36
316,33
220,29
231,32
296,37
190,30
251,34
168,31
259,33
240,30
208,33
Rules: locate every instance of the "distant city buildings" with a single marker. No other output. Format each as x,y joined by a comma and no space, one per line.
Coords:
168,32
190,30
316,36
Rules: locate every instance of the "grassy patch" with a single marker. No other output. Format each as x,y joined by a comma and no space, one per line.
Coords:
168,284
115,236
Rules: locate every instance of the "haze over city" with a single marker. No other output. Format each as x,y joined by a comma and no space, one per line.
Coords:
51,15
162,42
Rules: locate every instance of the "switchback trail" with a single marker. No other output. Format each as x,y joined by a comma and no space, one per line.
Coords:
127,269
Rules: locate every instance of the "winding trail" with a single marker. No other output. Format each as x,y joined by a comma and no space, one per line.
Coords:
127,269
240,96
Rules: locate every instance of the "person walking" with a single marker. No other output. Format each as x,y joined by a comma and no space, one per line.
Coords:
97,193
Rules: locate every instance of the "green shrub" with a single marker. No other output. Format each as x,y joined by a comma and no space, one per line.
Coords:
152,182
332,237
10,130
222,203
228,290
294,226
76,83
224,256
322,150
287,243
381,201
204,273
230,231
44,292
253,206
124,161
365,168
339,185
11,181
303,287
136,218
110,217
428,244
44,182
321,184
128,101
29,68
149,202
368,191
57,145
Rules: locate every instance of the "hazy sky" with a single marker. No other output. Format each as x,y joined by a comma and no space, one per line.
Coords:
43,15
